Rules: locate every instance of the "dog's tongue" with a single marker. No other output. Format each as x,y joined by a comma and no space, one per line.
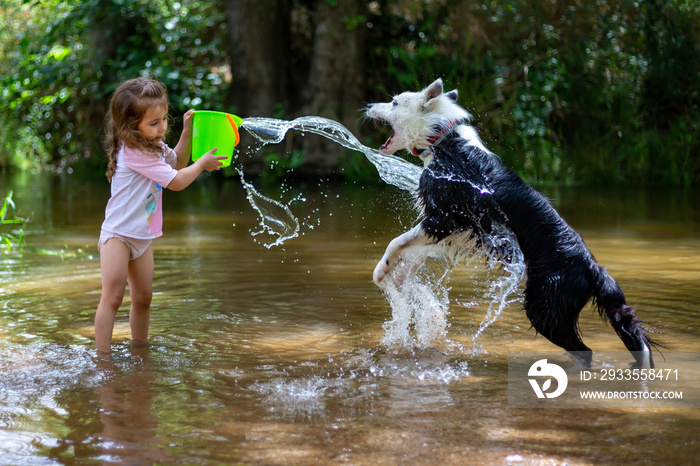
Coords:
388,141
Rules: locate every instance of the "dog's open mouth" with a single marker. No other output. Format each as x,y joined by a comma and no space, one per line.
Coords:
388,141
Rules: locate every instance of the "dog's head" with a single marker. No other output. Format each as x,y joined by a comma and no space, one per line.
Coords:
416,116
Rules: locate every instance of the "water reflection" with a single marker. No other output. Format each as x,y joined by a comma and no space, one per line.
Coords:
276,356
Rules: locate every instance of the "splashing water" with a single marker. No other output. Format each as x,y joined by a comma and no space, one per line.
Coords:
417,288
277,219
503,290
392,169
418,291
419,303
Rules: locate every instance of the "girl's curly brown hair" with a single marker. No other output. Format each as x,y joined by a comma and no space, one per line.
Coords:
126,110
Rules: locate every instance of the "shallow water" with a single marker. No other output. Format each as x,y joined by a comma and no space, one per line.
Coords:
275,356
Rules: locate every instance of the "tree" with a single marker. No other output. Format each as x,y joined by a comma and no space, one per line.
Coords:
258,51
310,65
565,91
336,81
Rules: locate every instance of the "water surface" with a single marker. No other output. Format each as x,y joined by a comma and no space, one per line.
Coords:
276,356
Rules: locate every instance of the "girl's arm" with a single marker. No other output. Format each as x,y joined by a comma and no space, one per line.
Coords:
187,175
183,149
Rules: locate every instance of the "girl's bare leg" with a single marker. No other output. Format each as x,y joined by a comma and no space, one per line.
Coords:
114,264
140,279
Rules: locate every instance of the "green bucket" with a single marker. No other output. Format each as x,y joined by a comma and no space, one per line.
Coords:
215,129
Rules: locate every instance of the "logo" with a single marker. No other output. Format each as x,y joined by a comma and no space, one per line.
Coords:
543,369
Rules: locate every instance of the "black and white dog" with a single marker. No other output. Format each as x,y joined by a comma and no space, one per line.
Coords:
466,188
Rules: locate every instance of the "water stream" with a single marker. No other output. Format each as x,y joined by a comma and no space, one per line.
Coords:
276,218
420,299
392,169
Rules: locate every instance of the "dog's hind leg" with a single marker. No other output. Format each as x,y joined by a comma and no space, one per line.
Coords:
554,315
564,336
629,328
413,237
610,301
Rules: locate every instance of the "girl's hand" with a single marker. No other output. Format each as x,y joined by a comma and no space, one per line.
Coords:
210,161
187,175
187,119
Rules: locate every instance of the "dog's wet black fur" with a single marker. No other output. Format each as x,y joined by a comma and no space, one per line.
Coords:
465,188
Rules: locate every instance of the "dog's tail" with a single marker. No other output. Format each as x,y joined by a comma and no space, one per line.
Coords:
610,302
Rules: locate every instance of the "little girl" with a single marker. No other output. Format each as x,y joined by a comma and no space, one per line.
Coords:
140,166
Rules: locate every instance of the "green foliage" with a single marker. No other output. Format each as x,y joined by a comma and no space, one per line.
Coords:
62,60
566,92
11,226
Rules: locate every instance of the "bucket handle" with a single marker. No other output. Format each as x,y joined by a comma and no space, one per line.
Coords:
235,129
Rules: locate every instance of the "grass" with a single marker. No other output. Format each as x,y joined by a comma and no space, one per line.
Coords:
11,226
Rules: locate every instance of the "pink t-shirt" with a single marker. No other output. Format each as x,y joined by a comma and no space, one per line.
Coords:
135,209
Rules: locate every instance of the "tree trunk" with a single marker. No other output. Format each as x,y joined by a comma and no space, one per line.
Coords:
258,41
258,48
271,75
110,27
336,81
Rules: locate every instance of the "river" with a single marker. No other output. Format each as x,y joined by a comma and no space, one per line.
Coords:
278,355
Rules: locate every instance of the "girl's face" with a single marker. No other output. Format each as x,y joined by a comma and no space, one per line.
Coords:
154,122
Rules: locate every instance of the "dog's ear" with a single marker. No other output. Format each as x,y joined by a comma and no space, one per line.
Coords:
452,95
433,91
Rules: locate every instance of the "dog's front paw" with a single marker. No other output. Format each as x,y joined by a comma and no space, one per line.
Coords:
380,271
